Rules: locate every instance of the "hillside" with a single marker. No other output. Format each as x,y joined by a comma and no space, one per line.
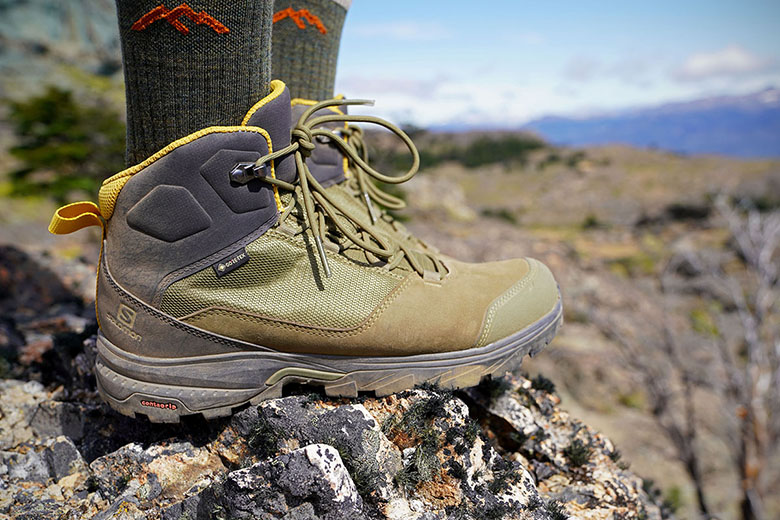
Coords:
738,126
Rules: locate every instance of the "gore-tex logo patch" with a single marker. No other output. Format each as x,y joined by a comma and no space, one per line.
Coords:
231,263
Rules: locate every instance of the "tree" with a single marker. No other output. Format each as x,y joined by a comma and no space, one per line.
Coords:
741,371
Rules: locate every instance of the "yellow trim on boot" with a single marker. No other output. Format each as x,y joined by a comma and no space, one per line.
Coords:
75,216
277,87
111,187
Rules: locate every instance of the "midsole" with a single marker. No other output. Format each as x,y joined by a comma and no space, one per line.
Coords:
251,369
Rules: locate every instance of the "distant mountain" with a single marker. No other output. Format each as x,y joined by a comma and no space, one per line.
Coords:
739,126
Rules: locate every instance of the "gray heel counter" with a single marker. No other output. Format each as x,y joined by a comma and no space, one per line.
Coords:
183,208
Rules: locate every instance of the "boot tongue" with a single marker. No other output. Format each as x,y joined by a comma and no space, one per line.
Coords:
326,162
273,113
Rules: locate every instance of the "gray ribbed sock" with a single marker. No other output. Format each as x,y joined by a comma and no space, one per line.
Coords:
306,38
191,65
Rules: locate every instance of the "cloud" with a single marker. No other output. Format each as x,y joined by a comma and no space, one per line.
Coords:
423,88
404,30
452,101
634,69
583,68
730,62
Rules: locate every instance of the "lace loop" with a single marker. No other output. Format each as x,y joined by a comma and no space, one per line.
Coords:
317,202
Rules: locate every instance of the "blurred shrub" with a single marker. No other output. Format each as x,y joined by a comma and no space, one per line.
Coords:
504,214
483,150
64,146
490,150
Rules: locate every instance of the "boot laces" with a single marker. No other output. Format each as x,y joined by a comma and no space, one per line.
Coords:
320,208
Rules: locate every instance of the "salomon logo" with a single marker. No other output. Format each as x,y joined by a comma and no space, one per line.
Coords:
124,321
126,316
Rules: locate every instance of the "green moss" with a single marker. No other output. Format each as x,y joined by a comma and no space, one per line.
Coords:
264,438
417,422
556,510
424,465
462,437
361,475
418,417
504,476
472,431
503,214
542,383
640,264
535,503
635,399
673,499
704,323
578,453
493,387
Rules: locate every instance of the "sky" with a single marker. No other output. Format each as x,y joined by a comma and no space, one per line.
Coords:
503,63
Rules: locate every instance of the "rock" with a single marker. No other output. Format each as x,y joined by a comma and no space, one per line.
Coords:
28,466
73,483
18,402
276,488
571,462
168,471
371,458
123,509
28,289
416,455
63,458
112,472
39,510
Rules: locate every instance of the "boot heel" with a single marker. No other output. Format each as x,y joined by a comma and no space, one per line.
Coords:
165,403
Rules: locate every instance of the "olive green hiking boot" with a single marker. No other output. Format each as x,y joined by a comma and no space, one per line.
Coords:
229,271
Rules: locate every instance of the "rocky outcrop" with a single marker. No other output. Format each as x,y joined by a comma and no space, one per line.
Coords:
45,42
501,450
421,454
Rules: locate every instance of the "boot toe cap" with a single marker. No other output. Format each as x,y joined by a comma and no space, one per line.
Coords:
528,300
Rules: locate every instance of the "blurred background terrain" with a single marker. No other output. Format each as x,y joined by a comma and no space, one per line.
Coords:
657,208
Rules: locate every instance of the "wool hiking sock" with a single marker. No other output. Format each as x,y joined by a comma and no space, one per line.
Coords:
191,65
306,36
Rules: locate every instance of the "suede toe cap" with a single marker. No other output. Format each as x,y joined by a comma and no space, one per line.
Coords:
533,296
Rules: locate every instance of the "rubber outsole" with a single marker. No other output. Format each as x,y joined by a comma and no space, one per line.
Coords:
214,386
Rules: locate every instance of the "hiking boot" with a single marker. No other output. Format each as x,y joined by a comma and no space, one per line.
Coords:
229,271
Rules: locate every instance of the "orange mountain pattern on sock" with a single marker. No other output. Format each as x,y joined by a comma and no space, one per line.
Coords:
298,17
172,17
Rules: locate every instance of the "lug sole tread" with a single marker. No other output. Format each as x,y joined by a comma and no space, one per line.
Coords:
168,403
